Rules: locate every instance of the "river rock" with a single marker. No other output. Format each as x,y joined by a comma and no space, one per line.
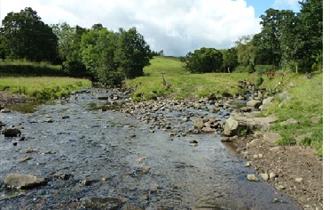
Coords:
5,111
208,130
230,127
198,123
290,121
1,125
252,178
248,164
298,180
253,103
21,181
264,176
101,203
272,175
11,132
102,98
246,109
24,159
266,103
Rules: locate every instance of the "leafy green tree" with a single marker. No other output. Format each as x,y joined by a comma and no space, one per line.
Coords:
270,34
3,47
311,48
133,53
98,48
69,39
230,60
204,60
246,53
27,37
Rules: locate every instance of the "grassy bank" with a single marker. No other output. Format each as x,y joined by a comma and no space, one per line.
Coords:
301,98
181,83
43,88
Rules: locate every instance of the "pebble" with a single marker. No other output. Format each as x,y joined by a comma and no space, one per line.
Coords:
248,164
264,176
272,175
252,178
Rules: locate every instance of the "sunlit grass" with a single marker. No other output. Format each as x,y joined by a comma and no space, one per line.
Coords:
43,88
182,83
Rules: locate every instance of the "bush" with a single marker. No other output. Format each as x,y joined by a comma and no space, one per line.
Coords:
74,68
204,60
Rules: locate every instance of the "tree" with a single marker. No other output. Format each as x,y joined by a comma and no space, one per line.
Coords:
204,60
98,48
246,53
27,37
311,17
270,34
133,53
229,59
69,39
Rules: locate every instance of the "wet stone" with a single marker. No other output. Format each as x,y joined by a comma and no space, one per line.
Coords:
24,159
22,181
63,176
11,132
101,203
252,178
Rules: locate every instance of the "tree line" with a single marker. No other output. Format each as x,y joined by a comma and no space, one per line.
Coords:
103,55
287,40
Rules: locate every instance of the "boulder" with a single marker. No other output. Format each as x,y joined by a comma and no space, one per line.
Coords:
11,132
21,181
198,123
231,127
266,103
253,103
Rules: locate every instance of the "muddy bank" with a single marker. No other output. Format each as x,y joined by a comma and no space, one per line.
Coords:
90,157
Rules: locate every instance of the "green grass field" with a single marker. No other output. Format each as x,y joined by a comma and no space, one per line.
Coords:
42,88
182,83
304,102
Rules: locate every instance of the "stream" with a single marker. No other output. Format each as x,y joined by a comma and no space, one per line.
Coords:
111,160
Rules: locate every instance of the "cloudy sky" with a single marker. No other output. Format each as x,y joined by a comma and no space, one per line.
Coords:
176,26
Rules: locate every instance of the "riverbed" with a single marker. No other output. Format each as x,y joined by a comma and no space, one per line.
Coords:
113,160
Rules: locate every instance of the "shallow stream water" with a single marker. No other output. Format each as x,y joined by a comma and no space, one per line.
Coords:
123,159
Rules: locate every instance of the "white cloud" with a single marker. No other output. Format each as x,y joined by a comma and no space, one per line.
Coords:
286,4
172,25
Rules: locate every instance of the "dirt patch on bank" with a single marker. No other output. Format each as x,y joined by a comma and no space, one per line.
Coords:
294,170
9,99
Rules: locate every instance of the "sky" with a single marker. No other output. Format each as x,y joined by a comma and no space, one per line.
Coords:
175,26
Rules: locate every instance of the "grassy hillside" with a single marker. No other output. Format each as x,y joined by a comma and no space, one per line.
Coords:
42,88
301,98
182,83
